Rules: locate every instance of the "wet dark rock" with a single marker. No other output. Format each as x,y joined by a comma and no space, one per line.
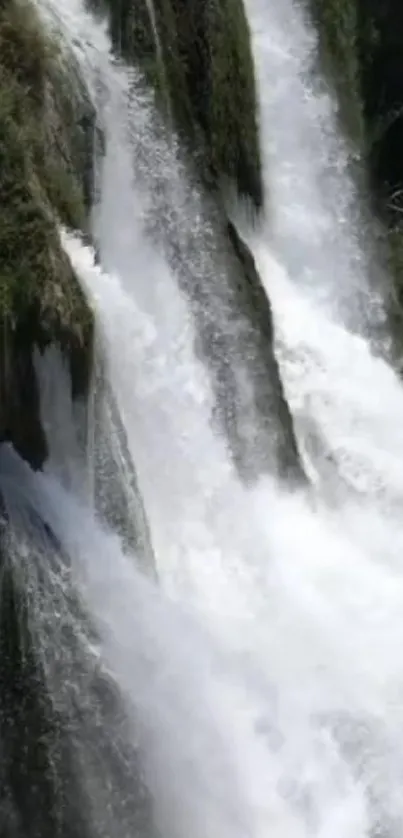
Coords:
279,444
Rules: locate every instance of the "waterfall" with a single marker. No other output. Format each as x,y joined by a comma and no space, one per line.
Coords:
253,688
319,228
315,262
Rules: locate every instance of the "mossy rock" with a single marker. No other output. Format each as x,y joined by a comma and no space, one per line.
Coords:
198,57
41,96
45,179
215,49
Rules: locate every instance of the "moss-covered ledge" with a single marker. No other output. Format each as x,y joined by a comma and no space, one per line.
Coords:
46,122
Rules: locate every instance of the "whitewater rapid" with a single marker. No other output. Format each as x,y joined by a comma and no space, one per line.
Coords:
262,675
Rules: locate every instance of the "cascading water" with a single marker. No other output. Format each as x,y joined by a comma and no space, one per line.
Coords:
317,229
260,680
316,272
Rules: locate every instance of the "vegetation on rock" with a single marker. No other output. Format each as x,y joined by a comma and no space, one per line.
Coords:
44,179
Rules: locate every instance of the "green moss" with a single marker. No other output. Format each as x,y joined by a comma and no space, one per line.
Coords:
34,182
33,267
31,84
210,69
24,50
42,180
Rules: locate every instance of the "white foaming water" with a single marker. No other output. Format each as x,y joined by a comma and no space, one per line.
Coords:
315,271
347,402
264,674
